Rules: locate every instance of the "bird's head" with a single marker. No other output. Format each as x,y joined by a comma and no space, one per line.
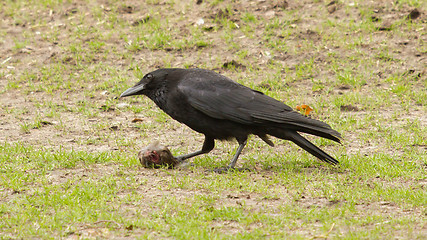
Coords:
151,81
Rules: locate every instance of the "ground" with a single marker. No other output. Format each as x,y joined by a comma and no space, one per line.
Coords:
69,145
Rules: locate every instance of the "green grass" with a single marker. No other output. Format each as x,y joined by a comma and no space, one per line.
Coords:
68,150
211,202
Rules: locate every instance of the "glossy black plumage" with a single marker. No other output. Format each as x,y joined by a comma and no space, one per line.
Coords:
220,108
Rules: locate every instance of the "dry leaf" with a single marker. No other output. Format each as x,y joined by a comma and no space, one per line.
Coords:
304,109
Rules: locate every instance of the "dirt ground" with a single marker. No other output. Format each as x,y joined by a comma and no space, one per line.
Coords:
17,63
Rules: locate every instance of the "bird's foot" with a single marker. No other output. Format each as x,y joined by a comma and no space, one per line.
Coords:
184,164
230,169
181,163
179,160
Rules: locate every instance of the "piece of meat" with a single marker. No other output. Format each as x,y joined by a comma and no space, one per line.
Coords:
156,155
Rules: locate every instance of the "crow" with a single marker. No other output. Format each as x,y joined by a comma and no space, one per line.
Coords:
222,109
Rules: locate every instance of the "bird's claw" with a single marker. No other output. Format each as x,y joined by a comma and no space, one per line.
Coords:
229,169
179,159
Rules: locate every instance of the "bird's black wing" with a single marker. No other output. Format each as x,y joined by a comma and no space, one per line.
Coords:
225,99
221,98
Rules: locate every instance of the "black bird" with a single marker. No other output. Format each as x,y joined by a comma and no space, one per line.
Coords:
220,108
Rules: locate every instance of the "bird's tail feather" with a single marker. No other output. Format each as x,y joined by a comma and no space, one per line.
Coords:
324,132
308,146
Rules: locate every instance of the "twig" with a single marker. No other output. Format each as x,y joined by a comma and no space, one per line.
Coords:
326,234
5,61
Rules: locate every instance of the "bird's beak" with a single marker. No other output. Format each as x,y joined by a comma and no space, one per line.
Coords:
135,90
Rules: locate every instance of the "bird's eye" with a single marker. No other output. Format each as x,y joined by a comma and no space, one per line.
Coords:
149,76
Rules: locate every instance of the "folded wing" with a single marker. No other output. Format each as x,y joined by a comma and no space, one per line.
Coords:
222,98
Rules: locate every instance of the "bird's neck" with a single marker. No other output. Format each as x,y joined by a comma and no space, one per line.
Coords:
159,96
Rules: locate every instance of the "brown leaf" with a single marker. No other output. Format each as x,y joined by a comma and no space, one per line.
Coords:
137,120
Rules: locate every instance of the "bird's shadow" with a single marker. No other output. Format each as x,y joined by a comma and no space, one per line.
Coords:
286,166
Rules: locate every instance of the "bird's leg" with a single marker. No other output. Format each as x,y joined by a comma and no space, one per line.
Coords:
234,160
237,154
208,145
